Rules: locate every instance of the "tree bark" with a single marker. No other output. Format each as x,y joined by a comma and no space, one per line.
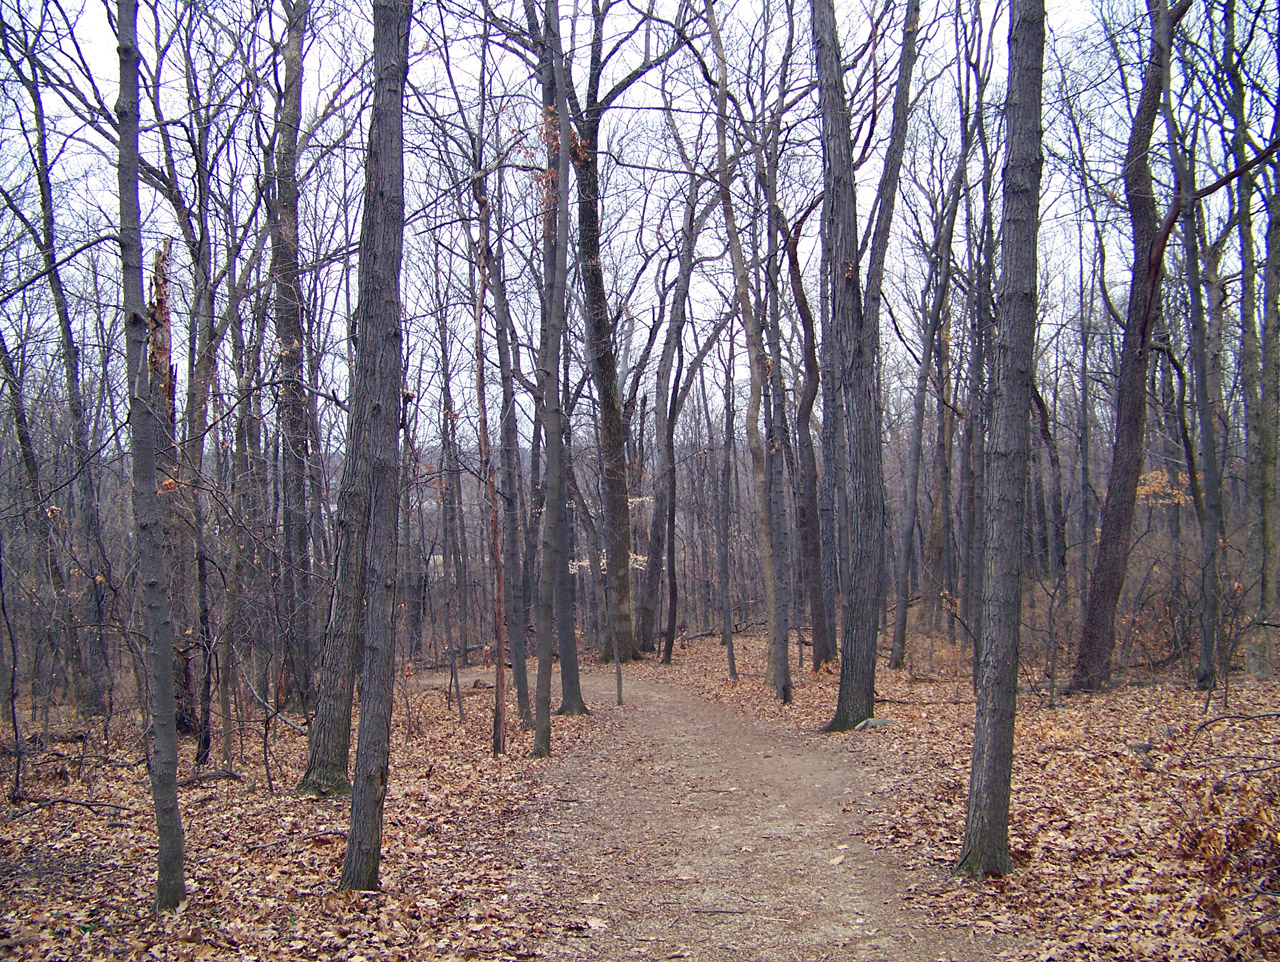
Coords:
556,134
1093,660
377,387
985,851
811,547
856,330
145,432
295,573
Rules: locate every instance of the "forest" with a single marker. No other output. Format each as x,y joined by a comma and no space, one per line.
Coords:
432,437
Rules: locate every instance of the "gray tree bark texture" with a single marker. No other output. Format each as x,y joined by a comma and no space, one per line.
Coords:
295,573
1093,660
144,431
377,388
986,839
855,329
555,259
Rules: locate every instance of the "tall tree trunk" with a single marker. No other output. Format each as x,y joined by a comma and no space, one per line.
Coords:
985,851
811,547
1097,640
856,327
604,373
1206,410
1269,435
647,607
752,326
555,262
295,567
145,434
377,388
726,504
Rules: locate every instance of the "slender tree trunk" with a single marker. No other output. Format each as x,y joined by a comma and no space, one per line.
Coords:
556,234
940,270
726,503
646,609
755,336
145,433
295,568
1206,409
377,388
811,547
986,840
1269,435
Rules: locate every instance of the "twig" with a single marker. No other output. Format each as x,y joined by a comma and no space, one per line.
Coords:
209,777
92,806
259,848
275,712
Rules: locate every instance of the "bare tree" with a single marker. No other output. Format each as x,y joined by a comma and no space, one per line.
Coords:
986,839
377,388
144,428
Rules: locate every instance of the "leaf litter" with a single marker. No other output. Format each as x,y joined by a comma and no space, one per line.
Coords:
1144,821
77,857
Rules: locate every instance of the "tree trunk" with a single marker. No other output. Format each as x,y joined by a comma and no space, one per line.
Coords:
295,573
940,271
377,388
145,432
986,840
811,547
855,326
555,262
1097,640
604,373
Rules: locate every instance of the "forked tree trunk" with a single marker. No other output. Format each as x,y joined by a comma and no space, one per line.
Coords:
855,330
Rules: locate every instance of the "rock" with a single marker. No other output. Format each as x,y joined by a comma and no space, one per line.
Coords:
868,724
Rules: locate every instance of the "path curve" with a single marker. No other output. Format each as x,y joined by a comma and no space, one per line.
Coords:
688,831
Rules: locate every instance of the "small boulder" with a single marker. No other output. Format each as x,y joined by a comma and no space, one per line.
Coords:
868,724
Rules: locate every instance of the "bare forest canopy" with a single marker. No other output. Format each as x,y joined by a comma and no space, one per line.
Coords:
340,341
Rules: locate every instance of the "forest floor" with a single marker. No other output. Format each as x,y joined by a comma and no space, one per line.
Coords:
689,831
702,820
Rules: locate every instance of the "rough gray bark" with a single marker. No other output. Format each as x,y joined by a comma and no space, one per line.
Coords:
295,567
855,327
556,135
985,851
144,431
1093,660
377,387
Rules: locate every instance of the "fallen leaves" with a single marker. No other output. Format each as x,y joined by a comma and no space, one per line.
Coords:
77,870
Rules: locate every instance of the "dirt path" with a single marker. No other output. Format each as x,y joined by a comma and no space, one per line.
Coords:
689,831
